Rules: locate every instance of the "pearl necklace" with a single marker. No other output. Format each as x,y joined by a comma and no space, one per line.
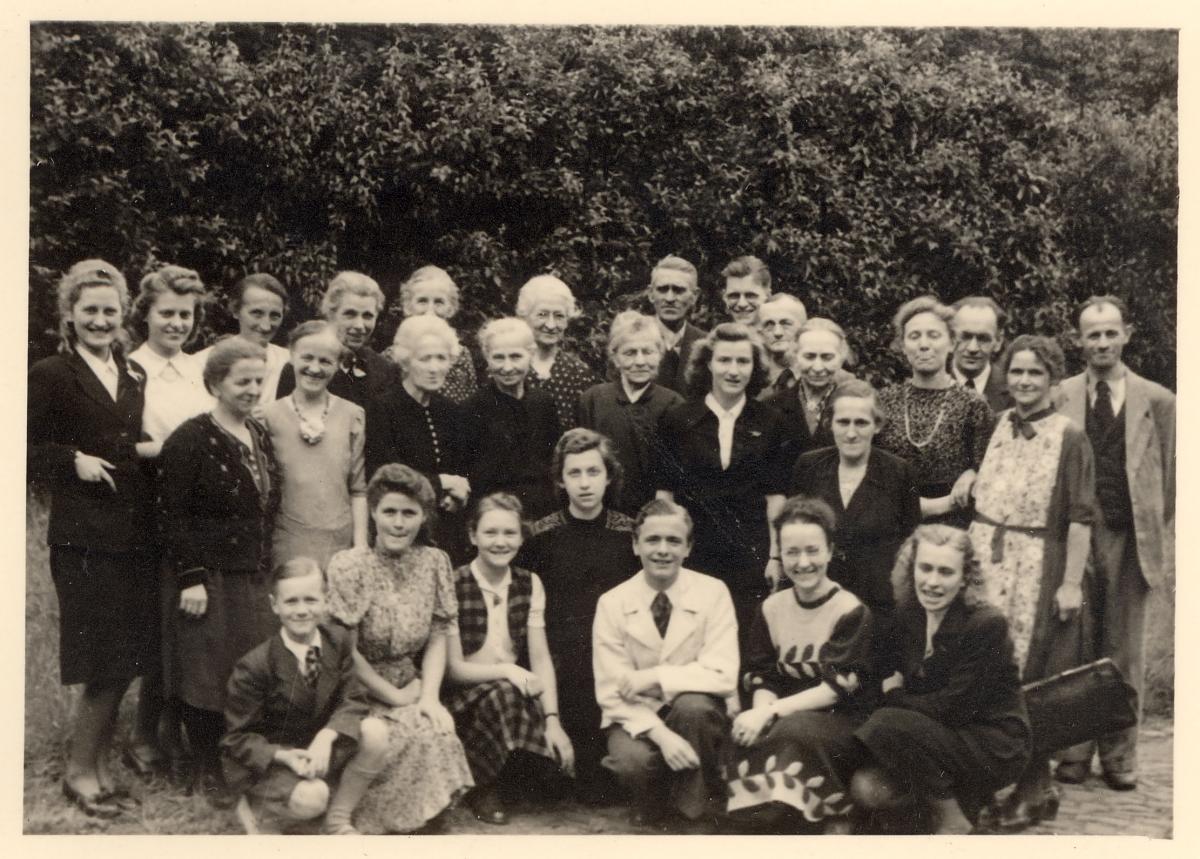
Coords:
908,422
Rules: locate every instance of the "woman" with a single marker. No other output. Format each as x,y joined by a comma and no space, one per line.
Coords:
547,305
511,428
808,648
353,304
259,303
84,419
872,493
426,349
580,552
506,700
722,458
398,598
953,726
1035,503
779,321
318,440
821,350
628,410
166,316
218,491
430,290
941,428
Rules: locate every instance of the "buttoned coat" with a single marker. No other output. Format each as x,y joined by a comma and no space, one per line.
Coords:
1149,464
698,654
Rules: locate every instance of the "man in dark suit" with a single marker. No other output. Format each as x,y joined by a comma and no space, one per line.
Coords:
1130,422
672,291
978,335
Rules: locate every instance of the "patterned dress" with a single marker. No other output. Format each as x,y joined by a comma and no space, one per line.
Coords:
397,603
462,381
569,377
941,432
1028,493
803,760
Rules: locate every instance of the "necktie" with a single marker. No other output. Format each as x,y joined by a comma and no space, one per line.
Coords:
969,383
1103,407
312,665
660,610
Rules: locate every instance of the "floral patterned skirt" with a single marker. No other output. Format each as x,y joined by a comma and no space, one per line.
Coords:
1014,581
804,761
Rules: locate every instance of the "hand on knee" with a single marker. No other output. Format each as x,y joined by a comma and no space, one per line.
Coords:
872,788
372,743
309,799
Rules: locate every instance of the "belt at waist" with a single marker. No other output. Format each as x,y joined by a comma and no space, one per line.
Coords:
1002,528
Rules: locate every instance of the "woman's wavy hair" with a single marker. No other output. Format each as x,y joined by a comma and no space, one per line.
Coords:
169,278
581,440
915,307
699,377
86,273
396,477
1046,349
226,352
974,591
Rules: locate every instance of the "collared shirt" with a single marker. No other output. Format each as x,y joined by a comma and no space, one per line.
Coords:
498,648
725,423
300,649
174,390
646,594
671,339
105,371
979,383
1116,389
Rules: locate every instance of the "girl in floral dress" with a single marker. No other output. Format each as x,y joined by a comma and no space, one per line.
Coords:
399,598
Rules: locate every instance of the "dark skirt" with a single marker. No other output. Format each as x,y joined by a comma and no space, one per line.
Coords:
804,761
107,611
929,759
493,720
199,653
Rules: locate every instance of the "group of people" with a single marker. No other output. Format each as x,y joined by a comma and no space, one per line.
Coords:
724,579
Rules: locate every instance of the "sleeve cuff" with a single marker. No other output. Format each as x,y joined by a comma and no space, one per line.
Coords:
194,576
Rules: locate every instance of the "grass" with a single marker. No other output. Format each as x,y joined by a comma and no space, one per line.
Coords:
166,810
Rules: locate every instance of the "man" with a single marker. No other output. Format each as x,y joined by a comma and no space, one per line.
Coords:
665,653
779,323
978,335
1130,422
673,291
747,286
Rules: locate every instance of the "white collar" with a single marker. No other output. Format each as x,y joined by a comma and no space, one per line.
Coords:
634,397
501,588
731,414
980,381
98,366
646,594
299,649
153,363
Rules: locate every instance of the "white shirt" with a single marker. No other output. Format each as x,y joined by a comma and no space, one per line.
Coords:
300,649
498,648
174,391
725,424
979,382
105,371
1116,389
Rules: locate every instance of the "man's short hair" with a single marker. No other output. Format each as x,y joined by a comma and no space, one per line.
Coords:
751,267
983,301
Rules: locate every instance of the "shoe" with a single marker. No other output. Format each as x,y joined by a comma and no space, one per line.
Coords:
98,804
1121,780
122,798
143,760
1072,772
486,806
1019,813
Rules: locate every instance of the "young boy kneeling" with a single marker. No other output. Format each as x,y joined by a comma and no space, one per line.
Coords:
296,714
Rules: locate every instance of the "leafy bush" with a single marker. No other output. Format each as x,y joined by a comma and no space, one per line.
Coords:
865,166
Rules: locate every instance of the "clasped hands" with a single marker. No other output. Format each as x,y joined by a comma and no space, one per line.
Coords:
312,762
636,683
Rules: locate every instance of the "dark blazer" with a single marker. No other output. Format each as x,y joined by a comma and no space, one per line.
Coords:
799,439
211,515
996,391
728,507
674,363
270,705
883,511
971,677
70,410
367,384
512,446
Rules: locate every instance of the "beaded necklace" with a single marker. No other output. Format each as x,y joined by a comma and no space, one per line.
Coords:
312,430
937,422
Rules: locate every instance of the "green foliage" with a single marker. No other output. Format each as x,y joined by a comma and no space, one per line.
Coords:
864,166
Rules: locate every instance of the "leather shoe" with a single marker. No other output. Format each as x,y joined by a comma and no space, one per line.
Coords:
1020,812
486,805
1072,772
1120,781
98,804
122,798
142,761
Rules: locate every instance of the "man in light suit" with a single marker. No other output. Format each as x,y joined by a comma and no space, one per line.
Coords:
1130,422
978,335
665,656
672,292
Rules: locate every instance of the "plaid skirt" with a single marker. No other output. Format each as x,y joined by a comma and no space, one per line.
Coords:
494,719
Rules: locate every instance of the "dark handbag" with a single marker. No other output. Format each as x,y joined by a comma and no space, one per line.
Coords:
1081,704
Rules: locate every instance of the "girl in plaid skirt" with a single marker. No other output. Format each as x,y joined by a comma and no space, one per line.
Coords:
506,699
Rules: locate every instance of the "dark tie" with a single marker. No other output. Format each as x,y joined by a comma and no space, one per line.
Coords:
660,609
312,665
1104,406
969,383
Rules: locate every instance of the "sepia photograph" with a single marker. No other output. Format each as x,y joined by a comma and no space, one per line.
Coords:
597,429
